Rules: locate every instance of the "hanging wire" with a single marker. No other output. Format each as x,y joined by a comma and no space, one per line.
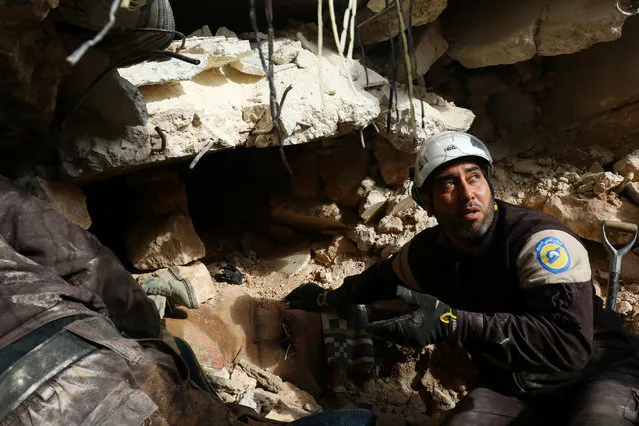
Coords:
421,83
274,107
407,65
393,86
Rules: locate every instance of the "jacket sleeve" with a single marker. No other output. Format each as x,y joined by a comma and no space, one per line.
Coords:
554,331
37,231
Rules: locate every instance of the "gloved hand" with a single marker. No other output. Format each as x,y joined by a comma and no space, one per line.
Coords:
308,297
432,321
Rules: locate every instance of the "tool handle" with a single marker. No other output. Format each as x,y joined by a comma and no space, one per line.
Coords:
620,226
613,289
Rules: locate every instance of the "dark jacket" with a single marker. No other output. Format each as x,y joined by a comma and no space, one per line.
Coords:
528,313
51,269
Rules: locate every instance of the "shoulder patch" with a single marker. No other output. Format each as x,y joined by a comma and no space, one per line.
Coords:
553,255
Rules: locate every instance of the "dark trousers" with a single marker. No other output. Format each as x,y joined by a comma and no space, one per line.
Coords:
610,398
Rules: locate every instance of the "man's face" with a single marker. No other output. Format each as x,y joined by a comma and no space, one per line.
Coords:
462,201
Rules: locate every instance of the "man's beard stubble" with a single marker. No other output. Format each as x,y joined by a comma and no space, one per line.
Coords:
471,231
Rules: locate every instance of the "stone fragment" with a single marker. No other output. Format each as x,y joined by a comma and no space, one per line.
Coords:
306,59
160,243
293,263
212,52
149,73
595,168
527,166
309,215
624,307
66,198
533,28
600,154
201,280
223,31
606,183
393,164
293,403
390,225
605,113
584,215
205,31
439,115
377,25
629,164
249,65
428,46
286,52
362,235
114,98
565,27
374,204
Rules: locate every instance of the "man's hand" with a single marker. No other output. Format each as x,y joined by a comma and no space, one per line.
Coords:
308,297
432,321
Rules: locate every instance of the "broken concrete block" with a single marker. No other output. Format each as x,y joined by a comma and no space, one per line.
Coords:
212,52
393,164
390,225
149,72
428,46
377,24
629,164
250,64
567,27
533,28
160,243
66,198
439,115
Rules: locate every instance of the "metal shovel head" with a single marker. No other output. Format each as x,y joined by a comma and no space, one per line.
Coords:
615,257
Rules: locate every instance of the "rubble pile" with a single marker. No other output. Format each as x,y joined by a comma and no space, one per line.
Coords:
558,123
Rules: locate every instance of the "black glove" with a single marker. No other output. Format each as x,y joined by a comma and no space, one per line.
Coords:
432,321
308,297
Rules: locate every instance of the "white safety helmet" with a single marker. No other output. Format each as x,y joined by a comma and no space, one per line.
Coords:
445,147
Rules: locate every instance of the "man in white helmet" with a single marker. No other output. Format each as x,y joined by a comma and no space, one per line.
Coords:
510,284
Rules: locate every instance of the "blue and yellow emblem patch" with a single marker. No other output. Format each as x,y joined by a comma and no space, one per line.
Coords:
553,255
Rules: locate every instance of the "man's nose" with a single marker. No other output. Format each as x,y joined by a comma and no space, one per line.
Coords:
466,192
